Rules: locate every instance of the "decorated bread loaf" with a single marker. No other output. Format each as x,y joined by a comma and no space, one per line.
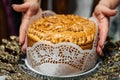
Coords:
63,28
61,45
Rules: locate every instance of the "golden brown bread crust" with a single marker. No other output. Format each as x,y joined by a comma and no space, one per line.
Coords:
63,28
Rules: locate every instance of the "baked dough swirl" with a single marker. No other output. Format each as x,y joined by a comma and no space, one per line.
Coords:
63,28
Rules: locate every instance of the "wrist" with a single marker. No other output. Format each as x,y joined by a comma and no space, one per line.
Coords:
112,4
105,3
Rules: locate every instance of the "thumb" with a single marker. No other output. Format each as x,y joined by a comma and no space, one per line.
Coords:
105,12
21,8
108,12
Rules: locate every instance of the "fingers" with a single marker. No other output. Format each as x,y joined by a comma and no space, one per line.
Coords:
103,31
28,8
23,28
21,8
24,45
99,51
26,20
101,11
109,12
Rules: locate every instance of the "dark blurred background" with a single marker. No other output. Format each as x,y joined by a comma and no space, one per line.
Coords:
10,20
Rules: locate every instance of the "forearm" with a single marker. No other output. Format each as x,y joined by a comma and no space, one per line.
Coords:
110,3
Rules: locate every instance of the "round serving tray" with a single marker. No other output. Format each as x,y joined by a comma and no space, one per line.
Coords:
27,69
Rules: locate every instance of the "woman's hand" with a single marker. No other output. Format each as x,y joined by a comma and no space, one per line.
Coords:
102,13
31,11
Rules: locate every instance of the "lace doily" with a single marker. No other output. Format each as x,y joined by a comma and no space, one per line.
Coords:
61,59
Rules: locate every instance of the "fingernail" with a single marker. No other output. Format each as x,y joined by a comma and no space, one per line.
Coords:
20,43
13,6
101,53
102,46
